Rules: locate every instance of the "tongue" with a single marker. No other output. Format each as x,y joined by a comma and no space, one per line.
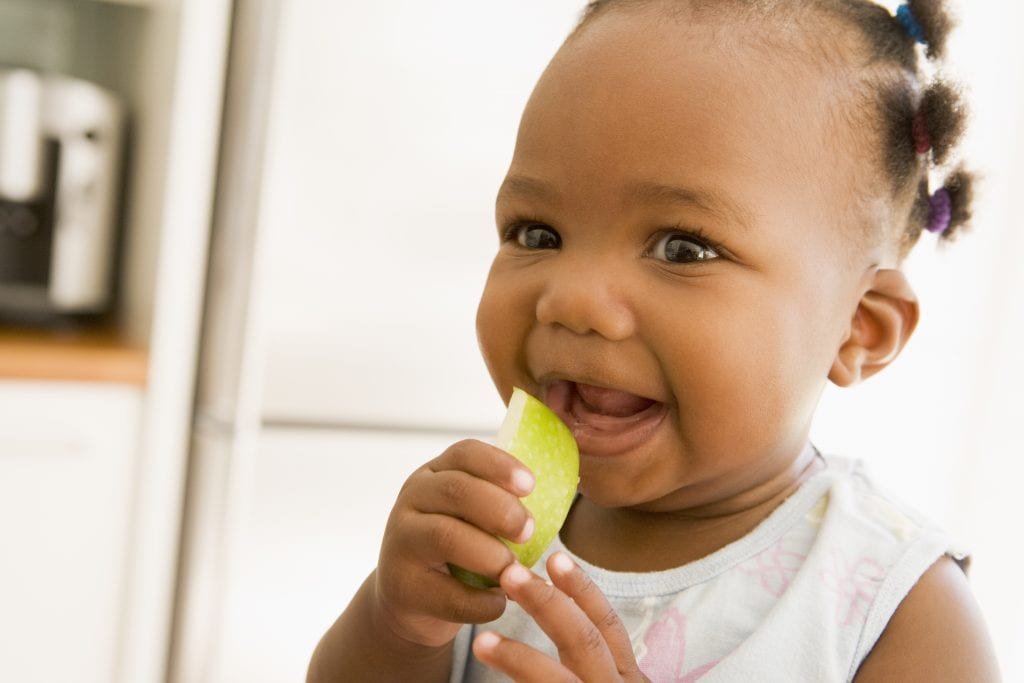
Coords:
612,402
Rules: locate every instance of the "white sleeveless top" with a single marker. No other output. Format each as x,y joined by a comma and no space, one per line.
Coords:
803,597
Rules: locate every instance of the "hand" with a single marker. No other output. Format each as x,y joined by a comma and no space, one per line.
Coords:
450,511
592,642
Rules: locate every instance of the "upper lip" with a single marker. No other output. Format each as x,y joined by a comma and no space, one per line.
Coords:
551,357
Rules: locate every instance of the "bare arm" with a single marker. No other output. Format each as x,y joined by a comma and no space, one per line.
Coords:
936,634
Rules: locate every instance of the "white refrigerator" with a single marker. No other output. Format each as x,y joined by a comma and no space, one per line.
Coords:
363,147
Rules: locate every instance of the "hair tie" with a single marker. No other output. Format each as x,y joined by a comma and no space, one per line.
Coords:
922,142
905,16
940,211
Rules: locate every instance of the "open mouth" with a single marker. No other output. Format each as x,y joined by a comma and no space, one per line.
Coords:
605,421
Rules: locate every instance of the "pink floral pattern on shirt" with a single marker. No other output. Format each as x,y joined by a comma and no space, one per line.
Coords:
774,568
665,658
855,584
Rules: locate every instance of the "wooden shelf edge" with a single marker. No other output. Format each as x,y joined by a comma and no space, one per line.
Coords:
77,356
130,3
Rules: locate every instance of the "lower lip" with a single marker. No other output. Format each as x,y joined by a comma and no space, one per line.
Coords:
603,436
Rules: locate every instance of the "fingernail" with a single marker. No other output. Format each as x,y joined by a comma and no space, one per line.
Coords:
517,574
523,481
527,531
487,640
562,562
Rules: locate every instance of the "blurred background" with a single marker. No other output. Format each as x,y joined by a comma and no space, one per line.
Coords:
241,244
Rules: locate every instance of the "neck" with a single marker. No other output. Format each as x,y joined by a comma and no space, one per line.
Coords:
635,540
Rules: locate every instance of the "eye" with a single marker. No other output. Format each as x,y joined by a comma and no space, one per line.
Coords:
535,236
676,247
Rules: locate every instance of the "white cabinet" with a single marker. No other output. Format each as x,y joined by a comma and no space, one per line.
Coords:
67,465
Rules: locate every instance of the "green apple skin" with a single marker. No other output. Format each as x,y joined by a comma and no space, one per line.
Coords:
539,439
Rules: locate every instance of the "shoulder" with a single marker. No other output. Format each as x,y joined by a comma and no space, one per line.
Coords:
936,633
924,623
859,506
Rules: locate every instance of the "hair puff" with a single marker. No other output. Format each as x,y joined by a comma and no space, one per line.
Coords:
935,22
945,118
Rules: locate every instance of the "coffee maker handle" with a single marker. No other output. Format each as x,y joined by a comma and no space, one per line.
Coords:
21,137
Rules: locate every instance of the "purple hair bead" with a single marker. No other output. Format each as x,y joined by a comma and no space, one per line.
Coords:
940,211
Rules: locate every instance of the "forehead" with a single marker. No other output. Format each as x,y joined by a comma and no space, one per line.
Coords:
640,97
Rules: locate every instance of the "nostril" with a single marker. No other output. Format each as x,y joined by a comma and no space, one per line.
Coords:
584,310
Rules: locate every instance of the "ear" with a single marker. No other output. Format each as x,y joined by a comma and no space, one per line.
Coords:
885,317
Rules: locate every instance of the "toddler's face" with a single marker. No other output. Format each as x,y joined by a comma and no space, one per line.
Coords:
671,277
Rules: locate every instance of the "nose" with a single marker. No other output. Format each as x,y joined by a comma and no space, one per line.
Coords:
585,301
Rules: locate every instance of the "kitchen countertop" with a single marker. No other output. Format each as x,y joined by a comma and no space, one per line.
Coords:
86,355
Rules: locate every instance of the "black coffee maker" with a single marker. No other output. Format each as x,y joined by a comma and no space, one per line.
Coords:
60,155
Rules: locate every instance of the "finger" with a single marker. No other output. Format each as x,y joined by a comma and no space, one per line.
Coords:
574,582
487,462
580,644
481,503
435,595
434,541
418,551
518,661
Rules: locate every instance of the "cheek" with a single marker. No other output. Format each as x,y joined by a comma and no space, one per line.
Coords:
786,361
749,365
488,323
500,330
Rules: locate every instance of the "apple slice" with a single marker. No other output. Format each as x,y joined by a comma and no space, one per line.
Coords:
541,441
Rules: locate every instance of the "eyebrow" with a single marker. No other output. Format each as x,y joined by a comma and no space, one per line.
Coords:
708,201
527,187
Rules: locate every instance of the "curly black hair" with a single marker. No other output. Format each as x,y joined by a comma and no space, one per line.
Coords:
920,117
